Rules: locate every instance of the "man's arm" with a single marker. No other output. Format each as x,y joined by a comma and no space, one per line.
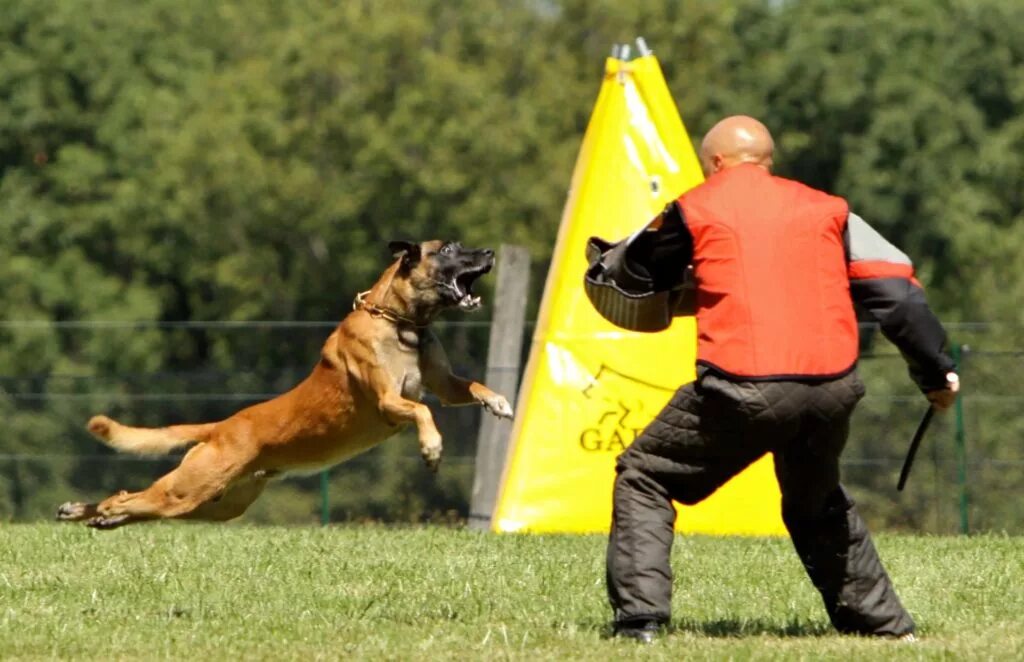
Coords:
882,282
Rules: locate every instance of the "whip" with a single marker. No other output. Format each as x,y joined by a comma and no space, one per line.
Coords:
922,427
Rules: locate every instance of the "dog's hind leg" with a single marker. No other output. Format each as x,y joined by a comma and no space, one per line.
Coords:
76,511
231,504
206,472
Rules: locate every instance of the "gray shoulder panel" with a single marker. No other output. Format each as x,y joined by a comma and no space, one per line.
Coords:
867,244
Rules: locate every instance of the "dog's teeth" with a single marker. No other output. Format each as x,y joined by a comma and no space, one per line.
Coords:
469,302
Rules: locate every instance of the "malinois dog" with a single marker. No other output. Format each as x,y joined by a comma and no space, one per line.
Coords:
367,385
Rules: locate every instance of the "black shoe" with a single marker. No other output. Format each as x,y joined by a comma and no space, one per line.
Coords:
643,632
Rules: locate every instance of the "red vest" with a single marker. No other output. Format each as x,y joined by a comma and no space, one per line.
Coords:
773,295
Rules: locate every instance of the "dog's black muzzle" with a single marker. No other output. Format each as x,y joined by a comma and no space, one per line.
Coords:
470,265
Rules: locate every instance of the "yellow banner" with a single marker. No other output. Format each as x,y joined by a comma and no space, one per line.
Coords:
590,387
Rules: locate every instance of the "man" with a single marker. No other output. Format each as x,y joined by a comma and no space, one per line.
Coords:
778,267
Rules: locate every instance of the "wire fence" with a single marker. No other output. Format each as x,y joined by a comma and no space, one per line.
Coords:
968,476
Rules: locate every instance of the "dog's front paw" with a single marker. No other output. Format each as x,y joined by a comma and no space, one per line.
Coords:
430,450
498,405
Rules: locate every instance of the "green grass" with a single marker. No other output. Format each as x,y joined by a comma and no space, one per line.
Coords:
194,591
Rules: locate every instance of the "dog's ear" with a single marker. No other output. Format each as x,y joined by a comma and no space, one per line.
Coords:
408,251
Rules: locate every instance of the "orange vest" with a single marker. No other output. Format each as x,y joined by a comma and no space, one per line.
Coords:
773,295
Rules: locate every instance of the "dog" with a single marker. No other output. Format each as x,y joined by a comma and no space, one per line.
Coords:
367,385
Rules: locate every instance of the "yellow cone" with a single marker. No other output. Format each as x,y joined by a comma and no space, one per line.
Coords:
590,387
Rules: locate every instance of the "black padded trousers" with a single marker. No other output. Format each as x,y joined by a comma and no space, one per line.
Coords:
710,431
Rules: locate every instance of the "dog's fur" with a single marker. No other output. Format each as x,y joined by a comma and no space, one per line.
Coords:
368,383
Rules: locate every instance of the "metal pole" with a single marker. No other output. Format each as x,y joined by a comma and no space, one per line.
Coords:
325,505
961,445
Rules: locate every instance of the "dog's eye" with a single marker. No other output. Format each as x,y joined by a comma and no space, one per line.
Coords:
446,249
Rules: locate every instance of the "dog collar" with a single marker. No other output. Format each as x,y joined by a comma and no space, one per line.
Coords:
376,311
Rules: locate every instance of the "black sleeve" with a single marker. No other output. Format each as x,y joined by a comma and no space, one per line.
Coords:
882,283
905,319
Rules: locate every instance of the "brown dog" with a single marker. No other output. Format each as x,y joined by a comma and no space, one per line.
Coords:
368,383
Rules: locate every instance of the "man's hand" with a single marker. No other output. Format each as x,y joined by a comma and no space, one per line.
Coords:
944,398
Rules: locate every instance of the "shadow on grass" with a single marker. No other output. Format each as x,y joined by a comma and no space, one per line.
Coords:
732,628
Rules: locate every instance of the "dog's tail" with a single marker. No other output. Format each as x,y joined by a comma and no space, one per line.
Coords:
147,441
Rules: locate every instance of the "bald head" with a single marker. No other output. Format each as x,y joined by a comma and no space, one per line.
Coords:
735,140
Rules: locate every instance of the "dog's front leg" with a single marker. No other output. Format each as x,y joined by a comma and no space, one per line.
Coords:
454,390
401,410
397,408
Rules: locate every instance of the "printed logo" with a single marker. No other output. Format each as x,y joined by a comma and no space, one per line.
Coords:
622,407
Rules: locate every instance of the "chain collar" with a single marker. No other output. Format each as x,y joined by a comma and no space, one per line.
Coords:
376,311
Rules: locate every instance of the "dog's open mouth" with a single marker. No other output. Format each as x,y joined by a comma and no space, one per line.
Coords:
462,287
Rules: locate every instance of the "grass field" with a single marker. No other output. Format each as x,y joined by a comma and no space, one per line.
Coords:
215,593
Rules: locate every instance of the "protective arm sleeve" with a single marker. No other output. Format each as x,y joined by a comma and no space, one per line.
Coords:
663,254
882,282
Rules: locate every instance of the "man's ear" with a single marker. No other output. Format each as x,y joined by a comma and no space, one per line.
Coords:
408,251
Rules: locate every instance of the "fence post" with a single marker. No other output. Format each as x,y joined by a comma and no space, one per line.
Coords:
961,442
503,361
